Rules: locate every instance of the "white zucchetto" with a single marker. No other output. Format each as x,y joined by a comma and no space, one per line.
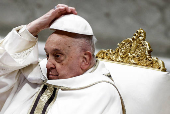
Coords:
72,23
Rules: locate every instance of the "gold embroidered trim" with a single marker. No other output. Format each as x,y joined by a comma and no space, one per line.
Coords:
41,106
35,98
43,99
50,105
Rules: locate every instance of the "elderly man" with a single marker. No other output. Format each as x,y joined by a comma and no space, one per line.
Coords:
77,82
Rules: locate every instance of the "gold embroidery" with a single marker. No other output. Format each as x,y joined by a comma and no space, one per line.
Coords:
41,106
50,105
35,98
133,51
43,99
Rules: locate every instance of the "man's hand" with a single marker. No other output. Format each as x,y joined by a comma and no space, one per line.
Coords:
46,20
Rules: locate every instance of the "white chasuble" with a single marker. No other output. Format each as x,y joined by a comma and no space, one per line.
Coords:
24,89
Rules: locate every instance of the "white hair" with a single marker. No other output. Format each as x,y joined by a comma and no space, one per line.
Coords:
87,43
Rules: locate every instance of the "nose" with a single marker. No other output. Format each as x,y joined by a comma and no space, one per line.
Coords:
50,64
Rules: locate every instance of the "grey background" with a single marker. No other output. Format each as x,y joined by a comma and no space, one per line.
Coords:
112,20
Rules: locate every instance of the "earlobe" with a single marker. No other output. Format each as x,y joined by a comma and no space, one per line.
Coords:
86,60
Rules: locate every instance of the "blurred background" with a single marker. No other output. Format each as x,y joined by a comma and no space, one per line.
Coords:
112,20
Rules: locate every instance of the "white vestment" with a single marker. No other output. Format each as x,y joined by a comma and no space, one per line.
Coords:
22,76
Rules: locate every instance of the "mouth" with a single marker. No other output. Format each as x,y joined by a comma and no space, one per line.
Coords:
52,75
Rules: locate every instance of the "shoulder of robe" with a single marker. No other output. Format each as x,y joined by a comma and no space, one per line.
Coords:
107,88
102,84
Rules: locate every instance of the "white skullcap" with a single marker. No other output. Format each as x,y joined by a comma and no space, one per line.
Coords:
72,23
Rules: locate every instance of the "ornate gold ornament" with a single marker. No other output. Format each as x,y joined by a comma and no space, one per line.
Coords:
133,51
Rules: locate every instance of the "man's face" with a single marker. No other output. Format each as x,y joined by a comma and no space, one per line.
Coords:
64,57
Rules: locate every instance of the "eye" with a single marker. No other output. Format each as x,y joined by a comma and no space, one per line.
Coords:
57,55
47,56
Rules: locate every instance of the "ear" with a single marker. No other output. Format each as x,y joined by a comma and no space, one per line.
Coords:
86,60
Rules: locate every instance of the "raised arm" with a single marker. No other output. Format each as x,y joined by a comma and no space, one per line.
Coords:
21,42
19,49
46,20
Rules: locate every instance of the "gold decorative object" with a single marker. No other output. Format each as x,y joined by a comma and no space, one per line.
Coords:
134,51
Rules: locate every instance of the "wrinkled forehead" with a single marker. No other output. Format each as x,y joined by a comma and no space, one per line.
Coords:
59,43
62,39
58,37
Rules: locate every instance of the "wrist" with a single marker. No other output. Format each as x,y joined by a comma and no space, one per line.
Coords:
24,33
33,28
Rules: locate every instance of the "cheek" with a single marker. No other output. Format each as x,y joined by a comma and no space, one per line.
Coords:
72,65
69,68
75,63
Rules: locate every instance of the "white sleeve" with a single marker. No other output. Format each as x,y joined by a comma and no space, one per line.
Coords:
17,50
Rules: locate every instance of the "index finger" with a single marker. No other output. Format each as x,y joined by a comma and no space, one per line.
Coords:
68,9
73,10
